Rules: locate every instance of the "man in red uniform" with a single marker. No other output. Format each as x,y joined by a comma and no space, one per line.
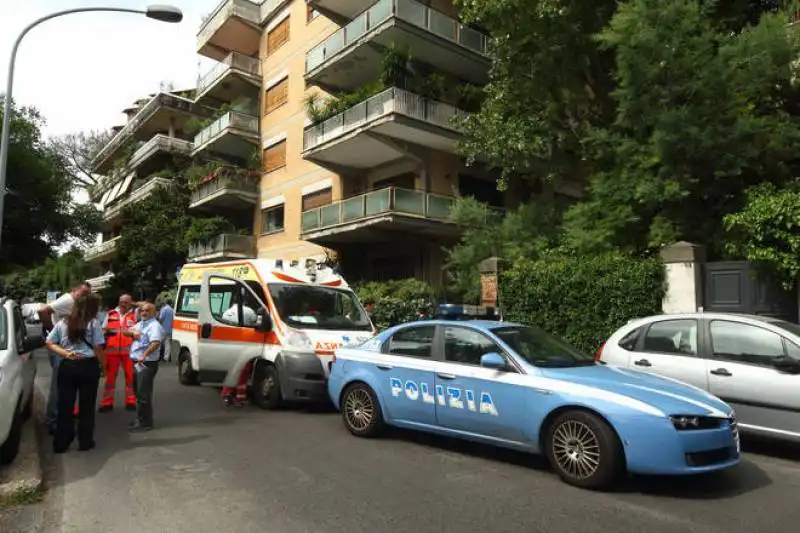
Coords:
117,350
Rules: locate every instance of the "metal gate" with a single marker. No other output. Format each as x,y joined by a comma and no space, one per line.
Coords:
734,287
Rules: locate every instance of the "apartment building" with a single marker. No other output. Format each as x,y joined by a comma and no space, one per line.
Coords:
353,107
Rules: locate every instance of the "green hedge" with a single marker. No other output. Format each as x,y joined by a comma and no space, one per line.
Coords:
583,299
394,302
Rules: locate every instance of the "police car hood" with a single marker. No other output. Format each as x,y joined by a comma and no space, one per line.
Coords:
669,396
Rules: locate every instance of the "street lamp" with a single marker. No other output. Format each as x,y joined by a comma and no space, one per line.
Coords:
156,12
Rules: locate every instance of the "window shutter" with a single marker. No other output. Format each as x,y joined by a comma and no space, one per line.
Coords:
278,36
275,157
317,199
276,95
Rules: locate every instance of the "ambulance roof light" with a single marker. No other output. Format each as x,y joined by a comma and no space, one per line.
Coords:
467,312
279,263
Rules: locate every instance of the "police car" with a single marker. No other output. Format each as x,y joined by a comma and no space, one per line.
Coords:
518,387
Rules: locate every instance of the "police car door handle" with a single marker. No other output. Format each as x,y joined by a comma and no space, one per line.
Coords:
446,376
643,362
721,372
384,366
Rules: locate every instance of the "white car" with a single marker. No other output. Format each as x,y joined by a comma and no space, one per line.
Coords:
17,372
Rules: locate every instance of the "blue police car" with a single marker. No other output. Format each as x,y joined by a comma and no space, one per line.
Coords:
518,387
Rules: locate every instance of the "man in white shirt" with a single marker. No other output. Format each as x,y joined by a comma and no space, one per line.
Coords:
51,314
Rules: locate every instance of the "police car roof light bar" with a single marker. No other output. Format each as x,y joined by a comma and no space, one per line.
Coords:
467,312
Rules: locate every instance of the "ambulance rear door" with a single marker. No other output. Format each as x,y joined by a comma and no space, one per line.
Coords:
233,326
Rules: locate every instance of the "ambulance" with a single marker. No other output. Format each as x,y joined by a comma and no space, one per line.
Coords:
288,317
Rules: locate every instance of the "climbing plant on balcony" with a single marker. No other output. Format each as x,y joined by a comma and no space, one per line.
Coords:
195,125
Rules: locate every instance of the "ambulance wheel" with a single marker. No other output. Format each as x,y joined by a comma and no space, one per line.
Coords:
361,411
186,374
267,387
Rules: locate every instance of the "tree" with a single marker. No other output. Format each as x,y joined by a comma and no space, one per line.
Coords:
77,150
701,115
55,274
767,231
39,212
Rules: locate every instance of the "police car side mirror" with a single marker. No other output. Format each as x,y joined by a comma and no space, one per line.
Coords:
493,360
264,324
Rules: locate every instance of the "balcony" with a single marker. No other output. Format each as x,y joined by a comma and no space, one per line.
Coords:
101,282
223,247
234,26
366,217
233,134
159,144
235,76
353,139
114,212
103,251
164,112
231,191
349,59
348,9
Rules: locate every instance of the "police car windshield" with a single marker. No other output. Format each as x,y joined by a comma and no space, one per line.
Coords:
314,307
539,348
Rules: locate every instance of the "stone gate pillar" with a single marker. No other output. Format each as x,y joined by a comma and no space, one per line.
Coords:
683,262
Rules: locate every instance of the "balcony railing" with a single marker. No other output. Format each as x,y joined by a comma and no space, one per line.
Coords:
237,183
225,245
408,11
101,282
144,114
231,119
390,101
102,249
249,11
391,200
136,196
160,142
233,61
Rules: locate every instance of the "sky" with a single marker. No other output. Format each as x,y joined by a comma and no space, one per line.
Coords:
81,70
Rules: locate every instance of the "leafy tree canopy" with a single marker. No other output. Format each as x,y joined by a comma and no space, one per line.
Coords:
39,212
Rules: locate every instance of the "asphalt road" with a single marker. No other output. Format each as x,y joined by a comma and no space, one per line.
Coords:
210,469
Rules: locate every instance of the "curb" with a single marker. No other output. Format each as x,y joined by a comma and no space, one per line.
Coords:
22,482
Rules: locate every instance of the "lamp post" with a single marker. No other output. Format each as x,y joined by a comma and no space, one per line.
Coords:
156,12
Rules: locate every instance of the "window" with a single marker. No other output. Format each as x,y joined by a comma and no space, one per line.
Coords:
466,346
539,348
188,301
275,157
19,328
231,303
317,199
276,96
677,337
414,341
628,342
314,307
3,329
401,181
272,219
278,36
311,13
792,350
743,343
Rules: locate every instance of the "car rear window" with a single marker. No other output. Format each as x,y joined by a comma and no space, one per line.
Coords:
788,326
3,329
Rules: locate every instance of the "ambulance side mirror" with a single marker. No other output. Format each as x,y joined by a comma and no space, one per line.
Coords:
264,324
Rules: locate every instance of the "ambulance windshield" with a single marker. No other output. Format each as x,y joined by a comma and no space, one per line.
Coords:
314,307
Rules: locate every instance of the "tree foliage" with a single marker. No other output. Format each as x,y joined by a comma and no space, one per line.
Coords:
767,231
56,274
77,150
39,212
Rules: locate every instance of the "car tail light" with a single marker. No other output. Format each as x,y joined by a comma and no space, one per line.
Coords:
599,352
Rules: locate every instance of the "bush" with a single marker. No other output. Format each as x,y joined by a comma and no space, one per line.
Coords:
583,299
394,302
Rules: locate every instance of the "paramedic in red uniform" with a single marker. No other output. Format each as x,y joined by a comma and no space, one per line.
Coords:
118,348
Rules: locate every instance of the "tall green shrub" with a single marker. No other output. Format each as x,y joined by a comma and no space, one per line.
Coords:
583,299
394,302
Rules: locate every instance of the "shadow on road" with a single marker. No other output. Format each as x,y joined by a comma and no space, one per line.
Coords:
747,477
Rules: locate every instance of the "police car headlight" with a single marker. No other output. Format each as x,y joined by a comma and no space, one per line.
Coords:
688,422
299,340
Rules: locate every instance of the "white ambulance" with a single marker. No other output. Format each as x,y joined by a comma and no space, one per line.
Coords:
287,316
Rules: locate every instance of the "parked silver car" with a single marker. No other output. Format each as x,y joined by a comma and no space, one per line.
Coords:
750,362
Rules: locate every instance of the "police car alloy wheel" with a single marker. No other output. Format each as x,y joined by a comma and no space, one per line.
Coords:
584,450
361,412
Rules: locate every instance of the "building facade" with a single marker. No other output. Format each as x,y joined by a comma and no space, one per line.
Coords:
353,108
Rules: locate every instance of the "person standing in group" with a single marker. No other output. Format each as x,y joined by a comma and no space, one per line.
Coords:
165,317
78,342
147,336
118,347
50,315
